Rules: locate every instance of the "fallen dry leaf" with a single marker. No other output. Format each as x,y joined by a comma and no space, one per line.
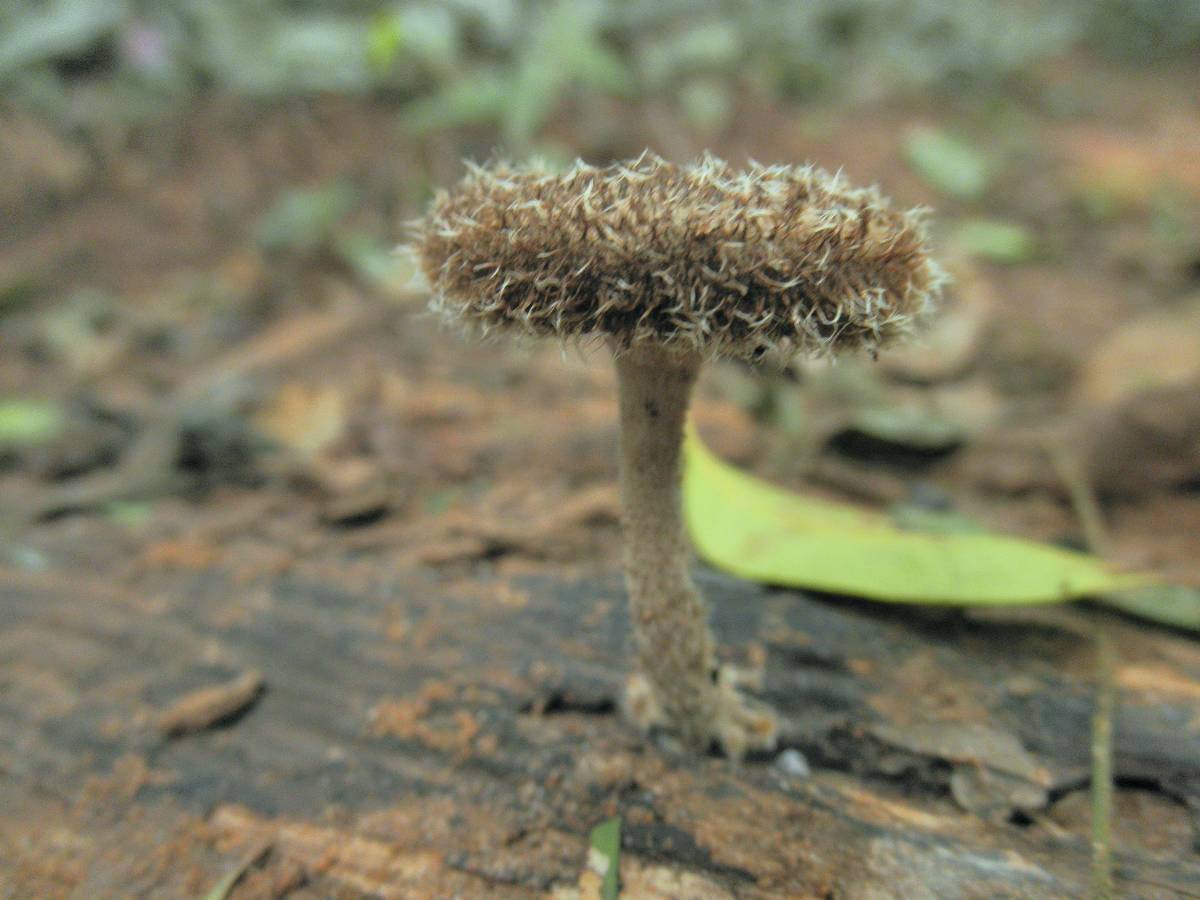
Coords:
1150,441
1156,350
304,418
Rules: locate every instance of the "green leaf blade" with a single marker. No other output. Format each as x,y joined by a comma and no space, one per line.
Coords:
1173,605
756,531
605,856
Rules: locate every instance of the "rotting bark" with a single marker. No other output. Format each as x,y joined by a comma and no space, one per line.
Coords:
427,744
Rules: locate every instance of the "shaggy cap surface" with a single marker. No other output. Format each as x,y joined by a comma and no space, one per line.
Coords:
770,261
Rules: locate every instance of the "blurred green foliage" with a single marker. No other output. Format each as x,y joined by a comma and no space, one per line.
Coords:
563,49
996,240
511,63
305,219
948,163
25,421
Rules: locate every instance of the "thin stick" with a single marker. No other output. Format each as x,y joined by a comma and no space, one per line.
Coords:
221,890
1102,769
1087,509
1082,497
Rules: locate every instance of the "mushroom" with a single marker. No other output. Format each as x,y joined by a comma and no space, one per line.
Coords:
671,264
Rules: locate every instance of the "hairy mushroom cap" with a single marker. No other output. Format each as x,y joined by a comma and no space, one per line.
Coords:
770,261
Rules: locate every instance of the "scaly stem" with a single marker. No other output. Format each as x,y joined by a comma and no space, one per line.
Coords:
673,640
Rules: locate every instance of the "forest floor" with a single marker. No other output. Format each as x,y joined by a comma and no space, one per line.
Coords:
264,462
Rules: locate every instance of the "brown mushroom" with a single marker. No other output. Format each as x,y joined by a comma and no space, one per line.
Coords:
671,264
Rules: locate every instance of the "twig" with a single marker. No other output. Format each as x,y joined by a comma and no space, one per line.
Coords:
1083,500
1102,769
1082,497
146,469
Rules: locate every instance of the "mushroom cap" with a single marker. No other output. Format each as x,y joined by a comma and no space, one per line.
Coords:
770,261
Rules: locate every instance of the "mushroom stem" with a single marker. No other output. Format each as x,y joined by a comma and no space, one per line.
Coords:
674,643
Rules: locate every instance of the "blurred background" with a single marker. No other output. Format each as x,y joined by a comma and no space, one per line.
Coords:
198,289
219,387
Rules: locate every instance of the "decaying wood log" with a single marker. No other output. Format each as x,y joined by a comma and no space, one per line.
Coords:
430,735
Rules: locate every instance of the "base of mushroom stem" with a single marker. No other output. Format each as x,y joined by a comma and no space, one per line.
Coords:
736,724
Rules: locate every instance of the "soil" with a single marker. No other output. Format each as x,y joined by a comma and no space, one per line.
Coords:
373,569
